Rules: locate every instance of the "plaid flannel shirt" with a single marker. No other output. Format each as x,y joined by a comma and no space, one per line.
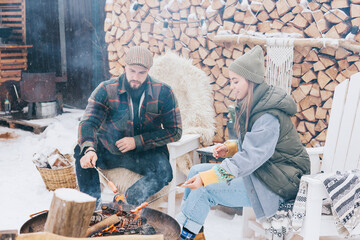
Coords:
108,116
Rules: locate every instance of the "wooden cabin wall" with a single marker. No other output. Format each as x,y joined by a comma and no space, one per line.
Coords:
84,39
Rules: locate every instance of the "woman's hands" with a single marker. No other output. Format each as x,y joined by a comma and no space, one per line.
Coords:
220,151
89,159
194,183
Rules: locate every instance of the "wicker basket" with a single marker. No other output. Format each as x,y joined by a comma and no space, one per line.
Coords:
58,178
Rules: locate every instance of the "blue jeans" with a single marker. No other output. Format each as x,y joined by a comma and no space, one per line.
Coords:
196,204
153,164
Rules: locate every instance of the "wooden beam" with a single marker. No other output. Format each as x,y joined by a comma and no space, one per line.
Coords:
300,42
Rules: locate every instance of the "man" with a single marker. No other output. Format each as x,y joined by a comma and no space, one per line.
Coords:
127,123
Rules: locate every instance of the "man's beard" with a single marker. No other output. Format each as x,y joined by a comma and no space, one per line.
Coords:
134,84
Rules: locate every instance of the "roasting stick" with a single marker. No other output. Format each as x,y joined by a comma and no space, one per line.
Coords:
145,204
110,183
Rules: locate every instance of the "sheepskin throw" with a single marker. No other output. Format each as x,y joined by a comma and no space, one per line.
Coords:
193,91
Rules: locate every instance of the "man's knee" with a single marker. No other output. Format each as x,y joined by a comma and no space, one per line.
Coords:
165,174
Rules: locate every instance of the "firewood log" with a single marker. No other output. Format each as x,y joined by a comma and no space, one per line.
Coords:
263,16
323,79
287,17
309,76
220,107
113,219
318,66
327,61
325,95
310,127
314,6
339,4
298,95
332,33
352,58
320,113
300,22
320,125
321,136
301,127
341,53
70,213
309,101
331,86
342,28
229,11
250,18
305,67
323,25
309,114
328,103
269,5
331,72
328,51
282,7
350,70
312,31
256,7
354,10
264,26
336,16
306,88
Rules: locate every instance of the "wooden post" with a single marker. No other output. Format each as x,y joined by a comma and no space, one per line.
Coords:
70,213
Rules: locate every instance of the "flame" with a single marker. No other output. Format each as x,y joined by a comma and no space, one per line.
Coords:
109,229
138,214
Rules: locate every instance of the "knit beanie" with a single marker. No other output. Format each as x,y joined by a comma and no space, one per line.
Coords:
250,65
139,55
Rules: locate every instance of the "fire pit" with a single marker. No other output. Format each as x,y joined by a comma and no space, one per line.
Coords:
153,220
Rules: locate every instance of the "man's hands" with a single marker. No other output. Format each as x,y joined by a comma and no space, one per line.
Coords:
220,151
194,183
88,160
126,144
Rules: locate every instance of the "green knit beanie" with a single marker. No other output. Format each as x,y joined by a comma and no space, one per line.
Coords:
250,65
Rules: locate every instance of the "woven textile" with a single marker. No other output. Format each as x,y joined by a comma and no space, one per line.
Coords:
278,227
344,199
344,192
280,53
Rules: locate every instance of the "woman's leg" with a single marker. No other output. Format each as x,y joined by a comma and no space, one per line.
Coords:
197,203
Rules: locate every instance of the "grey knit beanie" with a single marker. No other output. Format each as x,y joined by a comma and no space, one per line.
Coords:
139,55
250,65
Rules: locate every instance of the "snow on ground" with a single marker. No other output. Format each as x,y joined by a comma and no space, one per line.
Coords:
23,192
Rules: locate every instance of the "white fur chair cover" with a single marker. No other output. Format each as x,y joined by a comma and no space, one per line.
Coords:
194,94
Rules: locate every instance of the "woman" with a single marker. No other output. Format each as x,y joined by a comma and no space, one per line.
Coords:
264,166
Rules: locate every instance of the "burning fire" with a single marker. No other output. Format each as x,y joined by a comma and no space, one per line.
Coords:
129,223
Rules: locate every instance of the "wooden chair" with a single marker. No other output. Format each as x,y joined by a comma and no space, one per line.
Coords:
340,153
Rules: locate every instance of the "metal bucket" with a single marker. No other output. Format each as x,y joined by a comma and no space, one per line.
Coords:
45,109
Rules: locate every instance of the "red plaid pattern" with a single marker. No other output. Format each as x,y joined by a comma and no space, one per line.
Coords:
108,116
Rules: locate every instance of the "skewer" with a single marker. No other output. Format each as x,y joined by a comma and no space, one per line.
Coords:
145,204
110,183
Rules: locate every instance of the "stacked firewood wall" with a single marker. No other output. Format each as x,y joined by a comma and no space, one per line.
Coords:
189,27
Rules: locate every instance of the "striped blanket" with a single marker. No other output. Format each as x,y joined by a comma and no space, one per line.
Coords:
344,197
344,193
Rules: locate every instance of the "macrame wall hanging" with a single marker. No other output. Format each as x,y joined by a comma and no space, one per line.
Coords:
279,62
